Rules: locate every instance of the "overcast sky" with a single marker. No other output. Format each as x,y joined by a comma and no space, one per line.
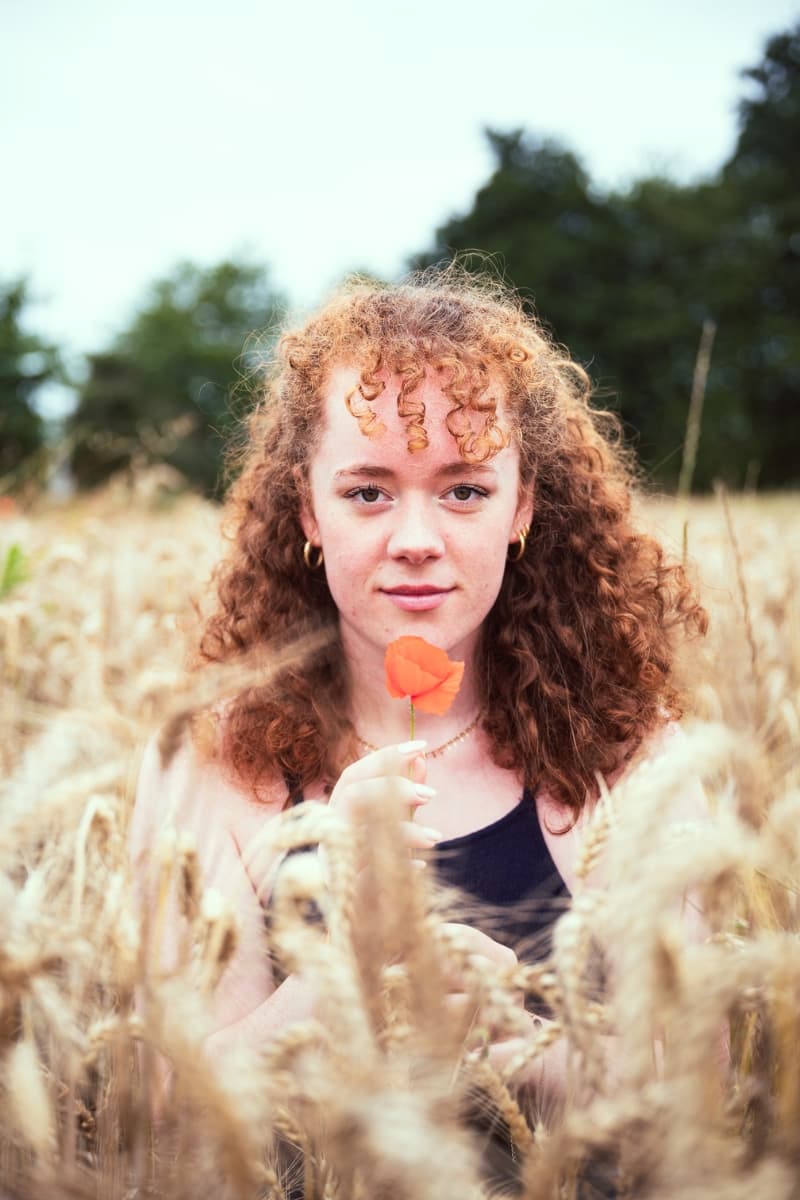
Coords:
320,137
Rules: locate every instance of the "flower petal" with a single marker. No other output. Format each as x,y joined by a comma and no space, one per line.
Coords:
423,672
440,699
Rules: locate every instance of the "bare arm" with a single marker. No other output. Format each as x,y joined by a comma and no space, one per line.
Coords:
290,1002
193,798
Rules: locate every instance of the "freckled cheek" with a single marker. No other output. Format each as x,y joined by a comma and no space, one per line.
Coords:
348,582
491,575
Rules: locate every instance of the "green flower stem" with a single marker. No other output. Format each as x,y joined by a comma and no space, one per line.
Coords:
412,715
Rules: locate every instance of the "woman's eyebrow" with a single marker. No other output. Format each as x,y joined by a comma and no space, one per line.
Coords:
364,469
464,468
448,471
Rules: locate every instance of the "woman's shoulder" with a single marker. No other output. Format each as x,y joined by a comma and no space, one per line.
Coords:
668,748
189,789
186,802
668,758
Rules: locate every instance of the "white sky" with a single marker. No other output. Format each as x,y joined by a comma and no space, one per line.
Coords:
323,136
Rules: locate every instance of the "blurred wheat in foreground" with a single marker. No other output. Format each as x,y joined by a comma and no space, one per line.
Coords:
377,1097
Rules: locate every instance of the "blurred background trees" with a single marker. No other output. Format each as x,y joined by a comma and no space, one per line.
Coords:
169,387
764,176
27,364
624,278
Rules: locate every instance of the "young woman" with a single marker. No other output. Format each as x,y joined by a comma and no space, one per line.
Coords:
424,461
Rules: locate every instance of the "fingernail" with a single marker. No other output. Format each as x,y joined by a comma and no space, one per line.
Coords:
422,789
419,863
433,834
411,747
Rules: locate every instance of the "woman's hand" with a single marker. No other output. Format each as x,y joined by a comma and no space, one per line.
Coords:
507,1041
393,775
483,956
479,946
547,1072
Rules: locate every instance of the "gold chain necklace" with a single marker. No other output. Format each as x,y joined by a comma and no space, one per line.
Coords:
439,749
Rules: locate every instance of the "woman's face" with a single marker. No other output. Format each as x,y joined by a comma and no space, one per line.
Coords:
413,543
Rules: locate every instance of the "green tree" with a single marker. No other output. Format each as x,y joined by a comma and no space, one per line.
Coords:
538,217
766,161
762,315
612,276
27,362
166,390
649,319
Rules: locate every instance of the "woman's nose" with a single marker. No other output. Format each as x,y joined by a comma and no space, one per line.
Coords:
415,533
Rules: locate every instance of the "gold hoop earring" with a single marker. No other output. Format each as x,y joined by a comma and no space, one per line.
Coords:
308,557
522,536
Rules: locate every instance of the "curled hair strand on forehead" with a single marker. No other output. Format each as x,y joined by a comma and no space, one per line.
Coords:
358,404
411,407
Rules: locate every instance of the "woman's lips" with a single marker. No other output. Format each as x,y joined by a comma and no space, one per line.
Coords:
417,599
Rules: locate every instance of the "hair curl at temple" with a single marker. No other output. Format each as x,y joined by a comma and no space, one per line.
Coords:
575,664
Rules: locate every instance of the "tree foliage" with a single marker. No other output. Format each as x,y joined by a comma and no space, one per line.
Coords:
169,388
764,176
627,278
27,363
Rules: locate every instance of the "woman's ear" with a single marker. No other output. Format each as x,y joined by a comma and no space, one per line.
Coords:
309,526
308,521
524,513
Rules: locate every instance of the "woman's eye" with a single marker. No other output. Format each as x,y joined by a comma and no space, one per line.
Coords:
369,494
465,492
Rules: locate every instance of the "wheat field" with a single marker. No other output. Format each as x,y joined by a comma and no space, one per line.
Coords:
683,1075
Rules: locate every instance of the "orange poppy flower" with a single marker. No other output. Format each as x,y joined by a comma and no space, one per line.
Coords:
423,672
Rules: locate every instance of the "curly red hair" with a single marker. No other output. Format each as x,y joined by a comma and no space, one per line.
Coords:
574,667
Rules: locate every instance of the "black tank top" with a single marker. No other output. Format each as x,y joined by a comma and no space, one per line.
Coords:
510,885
